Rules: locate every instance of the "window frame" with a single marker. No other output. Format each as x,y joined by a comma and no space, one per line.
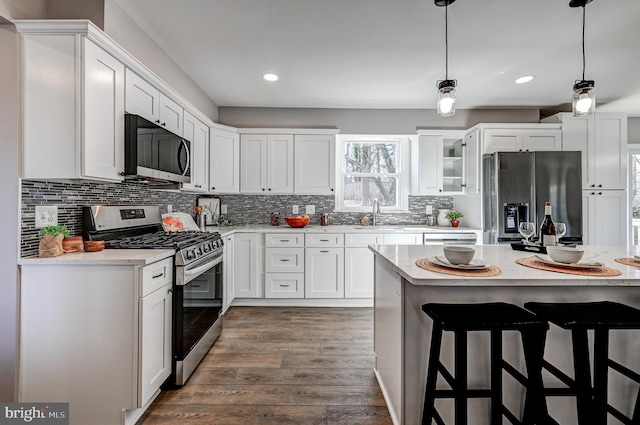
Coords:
403,173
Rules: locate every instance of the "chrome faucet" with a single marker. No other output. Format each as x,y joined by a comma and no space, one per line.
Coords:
376,210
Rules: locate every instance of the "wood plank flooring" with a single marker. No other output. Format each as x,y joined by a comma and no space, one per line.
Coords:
282,366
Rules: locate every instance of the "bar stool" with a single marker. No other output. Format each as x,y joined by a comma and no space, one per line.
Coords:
495,318
601,317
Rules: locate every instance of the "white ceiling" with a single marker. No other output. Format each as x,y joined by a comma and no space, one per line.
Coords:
390,53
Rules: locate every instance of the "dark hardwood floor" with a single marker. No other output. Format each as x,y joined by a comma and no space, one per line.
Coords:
282,366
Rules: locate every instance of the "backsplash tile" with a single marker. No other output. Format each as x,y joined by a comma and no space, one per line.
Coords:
70,197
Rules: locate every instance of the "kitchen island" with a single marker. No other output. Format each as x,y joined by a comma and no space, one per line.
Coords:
402,332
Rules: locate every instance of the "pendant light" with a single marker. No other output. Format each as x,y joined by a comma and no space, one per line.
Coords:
584,91
446,106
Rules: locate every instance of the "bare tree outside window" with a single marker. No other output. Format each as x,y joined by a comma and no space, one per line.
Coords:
371,171
635,197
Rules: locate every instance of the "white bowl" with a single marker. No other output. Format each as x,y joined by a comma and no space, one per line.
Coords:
565,254
459,254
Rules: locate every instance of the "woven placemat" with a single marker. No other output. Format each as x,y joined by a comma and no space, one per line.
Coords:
596,271
424,263
629,261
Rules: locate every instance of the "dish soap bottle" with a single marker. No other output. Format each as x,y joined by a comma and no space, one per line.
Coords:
548,228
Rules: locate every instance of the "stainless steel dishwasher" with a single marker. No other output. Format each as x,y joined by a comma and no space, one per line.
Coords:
450,238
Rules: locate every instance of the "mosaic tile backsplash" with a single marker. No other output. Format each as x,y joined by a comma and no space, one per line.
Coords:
70,197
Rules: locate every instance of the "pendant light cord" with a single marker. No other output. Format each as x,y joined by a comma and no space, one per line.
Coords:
446,41
584,64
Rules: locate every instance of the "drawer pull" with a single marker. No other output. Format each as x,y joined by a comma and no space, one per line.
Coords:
284,259
195,286
284,286
285,240
324,240
157,275
324,251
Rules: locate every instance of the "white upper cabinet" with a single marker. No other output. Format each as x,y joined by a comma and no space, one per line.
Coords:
266,163
510,140
224,160
73,105
602,139
443,162
171,115
145,100
314,165
198,134
141,97
102,135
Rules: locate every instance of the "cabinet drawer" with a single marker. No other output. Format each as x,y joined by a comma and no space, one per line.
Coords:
361,240
156,275
320,240
284,260
276,240
284,285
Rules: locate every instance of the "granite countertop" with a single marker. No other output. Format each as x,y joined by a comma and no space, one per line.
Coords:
111,257
402,259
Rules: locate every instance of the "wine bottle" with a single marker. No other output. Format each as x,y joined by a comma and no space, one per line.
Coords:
548,228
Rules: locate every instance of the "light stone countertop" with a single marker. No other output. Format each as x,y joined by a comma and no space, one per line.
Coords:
402,259
340,228
110,257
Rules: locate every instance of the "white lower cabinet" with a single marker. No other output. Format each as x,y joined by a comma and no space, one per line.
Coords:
604,214
284,285
155,337
247,265
227,272
358,264
117,319
324,273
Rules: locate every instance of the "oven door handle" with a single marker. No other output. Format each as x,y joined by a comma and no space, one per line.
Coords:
190,274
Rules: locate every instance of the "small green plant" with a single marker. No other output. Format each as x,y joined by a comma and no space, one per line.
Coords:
54,230
454,215
224,221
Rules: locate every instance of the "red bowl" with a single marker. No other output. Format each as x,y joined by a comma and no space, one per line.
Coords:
297,221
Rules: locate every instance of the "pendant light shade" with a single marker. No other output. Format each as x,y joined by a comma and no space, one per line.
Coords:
446,106
584,98
446,98
584,91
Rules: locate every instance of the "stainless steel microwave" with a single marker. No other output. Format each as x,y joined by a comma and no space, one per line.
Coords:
153,152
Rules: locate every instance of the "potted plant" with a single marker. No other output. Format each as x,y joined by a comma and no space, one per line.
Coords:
51,241
454,215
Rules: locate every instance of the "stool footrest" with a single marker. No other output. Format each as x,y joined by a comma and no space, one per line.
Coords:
515,373
619,415
471,393
624,371
563,377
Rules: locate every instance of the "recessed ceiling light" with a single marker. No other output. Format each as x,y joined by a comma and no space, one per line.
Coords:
270,77
525,79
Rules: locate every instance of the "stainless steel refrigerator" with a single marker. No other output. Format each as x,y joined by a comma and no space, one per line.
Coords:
516,186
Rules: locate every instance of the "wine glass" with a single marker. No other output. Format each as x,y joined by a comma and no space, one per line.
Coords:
561,230
526,229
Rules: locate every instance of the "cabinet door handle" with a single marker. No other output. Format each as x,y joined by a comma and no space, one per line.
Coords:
157,275
599,193
593,193
170,291
599,185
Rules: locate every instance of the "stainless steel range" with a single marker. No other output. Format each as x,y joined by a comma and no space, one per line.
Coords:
197,294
